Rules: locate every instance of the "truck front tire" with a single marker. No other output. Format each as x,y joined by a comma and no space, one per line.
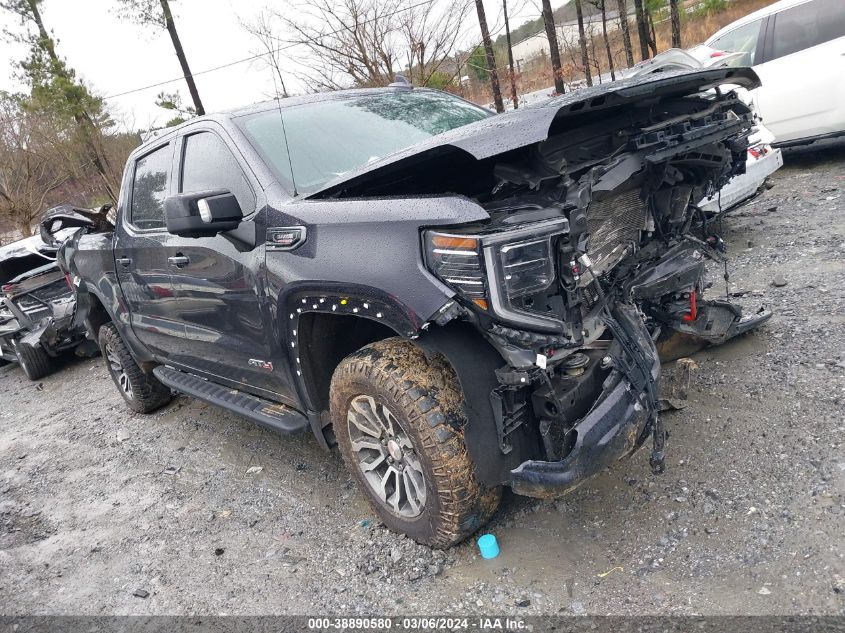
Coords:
142,392
398,419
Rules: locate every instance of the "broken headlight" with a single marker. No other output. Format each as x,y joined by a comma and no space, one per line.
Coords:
494,270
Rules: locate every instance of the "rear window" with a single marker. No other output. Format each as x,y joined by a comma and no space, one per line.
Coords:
807,25
149,189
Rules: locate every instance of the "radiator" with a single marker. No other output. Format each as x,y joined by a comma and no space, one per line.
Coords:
614,225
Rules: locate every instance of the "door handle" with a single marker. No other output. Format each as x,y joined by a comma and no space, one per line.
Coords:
123,261
178,261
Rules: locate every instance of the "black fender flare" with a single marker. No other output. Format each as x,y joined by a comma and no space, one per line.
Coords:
330,298
475,361
357,299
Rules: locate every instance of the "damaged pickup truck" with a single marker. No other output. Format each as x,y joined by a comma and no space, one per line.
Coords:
460,301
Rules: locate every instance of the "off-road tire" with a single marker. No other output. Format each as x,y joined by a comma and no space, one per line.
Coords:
34,361
146,394
425,398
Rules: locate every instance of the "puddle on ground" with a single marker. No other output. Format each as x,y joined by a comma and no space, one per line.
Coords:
543,552
742,347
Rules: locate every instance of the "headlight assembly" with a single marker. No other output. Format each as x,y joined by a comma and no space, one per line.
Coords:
493,271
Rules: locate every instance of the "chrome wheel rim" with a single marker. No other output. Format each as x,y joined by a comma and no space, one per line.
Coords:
117,371
386,457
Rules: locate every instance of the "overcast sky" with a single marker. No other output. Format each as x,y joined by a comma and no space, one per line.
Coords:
115,56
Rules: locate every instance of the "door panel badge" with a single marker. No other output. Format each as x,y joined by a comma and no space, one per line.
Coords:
285,238
261,364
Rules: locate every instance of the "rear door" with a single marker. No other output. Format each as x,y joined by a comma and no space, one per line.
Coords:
803,71
222,299
142,249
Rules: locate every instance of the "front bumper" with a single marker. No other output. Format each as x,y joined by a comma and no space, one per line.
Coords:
614,428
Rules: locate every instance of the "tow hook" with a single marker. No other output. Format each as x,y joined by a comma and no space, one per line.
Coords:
692,315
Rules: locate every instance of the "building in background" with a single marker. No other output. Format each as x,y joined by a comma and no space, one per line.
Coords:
537,45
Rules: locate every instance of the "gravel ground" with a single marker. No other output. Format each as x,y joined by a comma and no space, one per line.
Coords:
107,512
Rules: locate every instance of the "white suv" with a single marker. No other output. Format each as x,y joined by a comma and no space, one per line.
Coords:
797,47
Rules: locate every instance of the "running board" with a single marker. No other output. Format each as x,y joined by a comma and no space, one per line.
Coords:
271,415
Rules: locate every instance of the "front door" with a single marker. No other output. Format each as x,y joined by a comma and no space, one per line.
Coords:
222,299
142,250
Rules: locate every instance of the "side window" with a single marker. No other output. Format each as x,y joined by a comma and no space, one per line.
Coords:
208,164
741,40
807,25
149,189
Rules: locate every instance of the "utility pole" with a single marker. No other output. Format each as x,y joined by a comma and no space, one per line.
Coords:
510,55
180,54
491,58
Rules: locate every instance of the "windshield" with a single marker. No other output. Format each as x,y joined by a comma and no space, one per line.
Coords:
329,138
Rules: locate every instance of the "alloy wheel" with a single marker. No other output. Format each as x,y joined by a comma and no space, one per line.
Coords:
386,456
117,371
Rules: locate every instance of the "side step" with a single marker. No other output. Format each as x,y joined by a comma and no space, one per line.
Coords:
271,415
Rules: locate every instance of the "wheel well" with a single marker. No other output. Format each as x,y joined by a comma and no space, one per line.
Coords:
325,340
97,316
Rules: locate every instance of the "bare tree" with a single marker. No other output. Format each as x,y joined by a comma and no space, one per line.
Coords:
363,42
431,31
600,4
676,23
554,49
337,43
514,96
263,29
27,175
626,31
582,41
54,88
491,58
595,58
157,13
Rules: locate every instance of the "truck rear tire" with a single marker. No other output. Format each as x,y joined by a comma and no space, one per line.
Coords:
398,419
142,392
35,361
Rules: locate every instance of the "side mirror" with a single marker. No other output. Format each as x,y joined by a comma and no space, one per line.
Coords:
202,213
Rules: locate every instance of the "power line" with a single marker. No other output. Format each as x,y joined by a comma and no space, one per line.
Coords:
264,54
282,48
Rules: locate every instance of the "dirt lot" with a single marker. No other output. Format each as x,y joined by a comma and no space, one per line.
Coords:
96,502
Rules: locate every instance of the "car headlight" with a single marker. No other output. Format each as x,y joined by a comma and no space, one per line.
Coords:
493,271
456,260
527,267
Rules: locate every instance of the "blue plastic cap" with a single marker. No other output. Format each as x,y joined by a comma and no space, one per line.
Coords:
488,546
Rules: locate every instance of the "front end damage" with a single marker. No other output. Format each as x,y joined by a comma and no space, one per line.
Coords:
591,263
